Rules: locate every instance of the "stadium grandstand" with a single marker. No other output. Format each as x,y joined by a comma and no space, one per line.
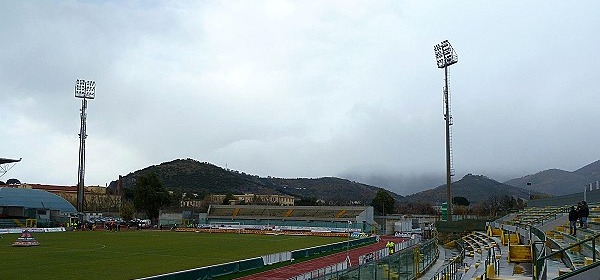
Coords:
324,217
534,243
30,207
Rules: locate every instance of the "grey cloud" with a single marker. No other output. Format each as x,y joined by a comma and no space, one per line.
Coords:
300,89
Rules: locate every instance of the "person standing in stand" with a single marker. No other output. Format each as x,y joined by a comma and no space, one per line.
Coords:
573,215
578,208
584,214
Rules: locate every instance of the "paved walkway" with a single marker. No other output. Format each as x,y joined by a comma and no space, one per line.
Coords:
439,263
290,271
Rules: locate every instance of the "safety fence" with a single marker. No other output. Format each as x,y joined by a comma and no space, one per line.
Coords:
277,257
328,270
332,247
382,253
209,272
410,261
363,259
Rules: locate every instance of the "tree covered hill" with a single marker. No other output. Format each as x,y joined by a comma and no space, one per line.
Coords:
187,175
192,176
476,188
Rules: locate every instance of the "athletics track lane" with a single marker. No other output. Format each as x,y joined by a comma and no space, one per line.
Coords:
293,270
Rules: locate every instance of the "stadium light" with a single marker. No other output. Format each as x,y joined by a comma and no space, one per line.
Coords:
84,90
446,56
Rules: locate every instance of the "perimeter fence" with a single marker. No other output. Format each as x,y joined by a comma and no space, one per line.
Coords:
409,262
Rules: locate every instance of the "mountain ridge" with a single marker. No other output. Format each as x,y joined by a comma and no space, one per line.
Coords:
558,181
189,175
476,188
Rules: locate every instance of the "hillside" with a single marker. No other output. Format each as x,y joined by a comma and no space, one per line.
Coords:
188,175
560,182
339,190
475,188
591,170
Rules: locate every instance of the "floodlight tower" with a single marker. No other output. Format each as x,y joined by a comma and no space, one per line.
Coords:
446,56
84,90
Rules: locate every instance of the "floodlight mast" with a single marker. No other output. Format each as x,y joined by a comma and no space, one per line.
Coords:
446,56
84,90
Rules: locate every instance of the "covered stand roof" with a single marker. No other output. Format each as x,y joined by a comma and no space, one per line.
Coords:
36,199
5,165
8,160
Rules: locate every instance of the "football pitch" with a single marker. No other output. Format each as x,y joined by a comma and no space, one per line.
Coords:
134,254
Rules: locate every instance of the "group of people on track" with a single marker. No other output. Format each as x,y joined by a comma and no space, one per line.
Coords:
581,213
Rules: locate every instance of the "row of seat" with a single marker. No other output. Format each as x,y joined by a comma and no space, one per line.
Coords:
573,253
520,251
537,215
559,239
483,252
582,254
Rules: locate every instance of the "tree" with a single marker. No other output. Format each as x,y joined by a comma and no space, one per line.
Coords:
228,198
417,207
460,210
127,211
307,201
461,201
150,195
383,202
13,181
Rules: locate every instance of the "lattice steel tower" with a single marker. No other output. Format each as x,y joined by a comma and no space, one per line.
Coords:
446,56
84,90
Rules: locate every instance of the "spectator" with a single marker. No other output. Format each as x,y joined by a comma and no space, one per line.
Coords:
573,215
578,208
584,213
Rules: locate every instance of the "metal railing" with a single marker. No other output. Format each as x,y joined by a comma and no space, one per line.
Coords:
449,271
331,269
540,270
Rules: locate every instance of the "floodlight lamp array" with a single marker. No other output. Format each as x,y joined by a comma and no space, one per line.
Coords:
85,89
445,54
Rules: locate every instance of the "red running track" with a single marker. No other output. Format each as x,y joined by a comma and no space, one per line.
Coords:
290,271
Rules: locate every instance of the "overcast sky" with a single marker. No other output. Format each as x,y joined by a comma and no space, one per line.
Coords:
300,88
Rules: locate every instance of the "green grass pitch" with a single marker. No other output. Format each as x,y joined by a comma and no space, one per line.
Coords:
134,254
